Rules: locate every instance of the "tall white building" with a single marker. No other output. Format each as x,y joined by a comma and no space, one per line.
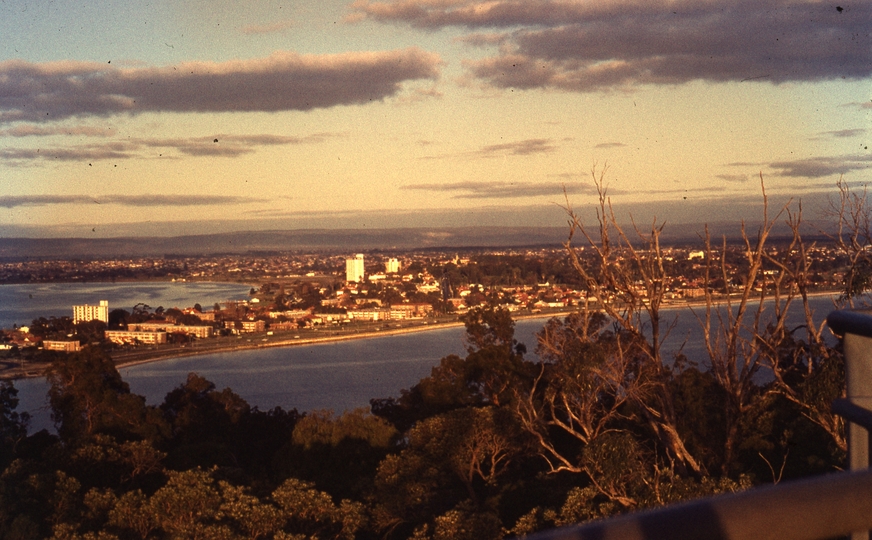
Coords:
354,268
89,313
392,266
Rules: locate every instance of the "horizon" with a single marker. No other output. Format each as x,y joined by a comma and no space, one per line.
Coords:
191,117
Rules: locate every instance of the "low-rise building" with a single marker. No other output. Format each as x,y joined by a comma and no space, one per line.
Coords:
202,315
369,314
132,337
196,331
410,311
253,326
290,313
63,346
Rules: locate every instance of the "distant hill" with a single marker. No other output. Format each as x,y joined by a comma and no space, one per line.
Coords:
347,240
308,240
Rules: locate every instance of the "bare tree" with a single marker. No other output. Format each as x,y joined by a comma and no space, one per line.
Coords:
853,238
746,328
626,280
733,315
604,368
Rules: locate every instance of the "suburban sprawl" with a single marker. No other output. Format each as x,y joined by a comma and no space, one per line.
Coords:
305,297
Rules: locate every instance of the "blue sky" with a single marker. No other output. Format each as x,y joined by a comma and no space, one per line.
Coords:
187,116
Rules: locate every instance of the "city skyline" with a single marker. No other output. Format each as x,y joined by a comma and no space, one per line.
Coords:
187,117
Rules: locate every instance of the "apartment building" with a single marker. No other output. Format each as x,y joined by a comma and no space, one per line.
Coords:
196,331
88,313
354,271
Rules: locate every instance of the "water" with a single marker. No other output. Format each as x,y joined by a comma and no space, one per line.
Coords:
21,303
340,375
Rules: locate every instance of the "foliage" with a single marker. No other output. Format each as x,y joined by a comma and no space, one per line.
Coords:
491,443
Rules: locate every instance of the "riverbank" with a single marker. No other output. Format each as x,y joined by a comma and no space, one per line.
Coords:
14,369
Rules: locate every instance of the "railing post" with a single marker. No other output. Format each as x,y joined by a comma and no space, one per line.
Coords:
855,327
858,376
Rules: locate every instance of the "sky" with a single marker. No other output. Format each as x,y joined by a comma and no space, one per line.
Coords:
173,117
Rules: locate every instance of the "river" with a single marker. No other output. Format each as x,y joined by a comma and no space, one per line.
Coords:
339,375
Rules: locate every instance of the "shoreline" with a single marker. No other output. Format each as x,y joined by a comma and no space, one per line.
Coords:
425,327
8,371
287,343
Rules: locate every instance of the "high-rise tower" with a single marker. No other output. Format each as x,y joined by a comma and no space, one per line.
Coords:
354,268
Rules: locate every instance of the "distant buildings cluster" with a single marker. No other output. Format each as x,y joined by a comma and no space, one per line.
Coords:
355,269
390,289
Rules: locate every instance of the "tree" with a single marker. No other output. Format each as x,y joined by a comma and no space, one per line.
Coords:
204,423
118,318
627,281
488,374
188,505
748,291
313,513
88,396
339,453
745,328
13,425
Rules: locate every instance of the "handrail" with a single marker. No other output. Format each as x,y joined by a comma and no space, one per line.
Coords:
820,507
853,413
846,321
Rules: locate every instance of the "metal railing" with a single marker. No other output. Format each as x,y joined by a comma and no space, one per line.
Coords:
826,506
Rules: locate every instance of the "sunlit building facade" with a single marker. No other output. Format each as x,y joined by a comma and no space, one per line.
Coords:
354,271
88,313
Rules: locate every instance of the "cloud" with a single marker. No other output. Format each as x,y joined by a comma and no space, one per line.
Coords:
228,145
221,145
75,153
518,148
13,201
43,92
858,105
844,133
505,190
610,145
30,130
818,167
502,190
733,178
595,46
271,28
